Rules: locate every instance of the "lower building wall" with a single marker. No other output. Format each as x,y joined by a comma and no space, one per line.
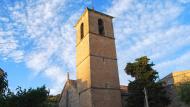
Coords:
85,98
100,98
106,98
70,99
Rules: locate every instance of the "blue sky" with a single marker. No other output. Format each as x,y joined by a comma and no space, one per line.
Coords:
37,38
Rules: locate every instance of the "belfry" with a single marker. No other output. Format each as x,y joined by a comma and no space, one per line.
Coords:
97,83
96,63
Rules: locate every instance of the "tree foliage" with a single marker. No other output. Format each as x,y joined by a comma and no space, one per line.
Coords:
23,97
53,100
183,91
26,98
3,82
145,76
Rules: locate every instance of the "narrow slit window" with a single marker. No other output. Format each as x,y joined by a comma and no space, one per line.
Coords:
82,31
101,27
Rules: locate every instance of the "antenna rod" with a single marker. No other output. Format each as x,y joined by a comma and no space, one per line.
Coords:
92,4
68,78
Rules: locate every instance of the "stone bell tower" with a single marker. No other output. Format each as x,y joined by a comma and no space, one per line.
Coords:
96,63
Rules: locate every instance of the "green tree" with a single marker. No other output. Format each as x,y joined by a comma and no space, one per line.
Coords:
145,76
28,98
23,98
183,91
3,82
53,100
3,87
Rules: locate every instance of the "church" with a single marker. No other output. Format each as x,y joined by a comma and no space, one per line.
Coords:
97,83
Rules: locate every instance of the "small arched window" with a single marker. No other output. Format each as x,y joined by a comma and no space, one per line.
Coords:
81,30
101,27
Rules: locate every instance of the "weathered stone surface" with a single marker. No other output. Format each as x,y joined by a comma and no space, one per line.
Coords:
104,73
106,98
85,98
97,72
69,96
93,23
83,76
102,46
96,65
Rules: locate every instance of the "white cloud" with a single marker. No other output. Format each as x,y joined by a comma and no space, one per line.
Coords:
17,55
184,1
119,6
47,41
59,78
177,64
148,28
53,44
46,30
37,61
4,19
9,47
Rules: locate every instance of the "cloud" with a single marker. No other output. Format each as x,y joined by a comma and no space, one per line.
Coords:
42,38
37,61
148,28
59,78
41,34
9,47
184,1
119,6
4,19
178,64
53,41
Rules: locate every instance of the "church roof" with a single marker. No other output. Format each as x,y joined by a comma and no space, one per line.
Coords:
100,13
68,84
